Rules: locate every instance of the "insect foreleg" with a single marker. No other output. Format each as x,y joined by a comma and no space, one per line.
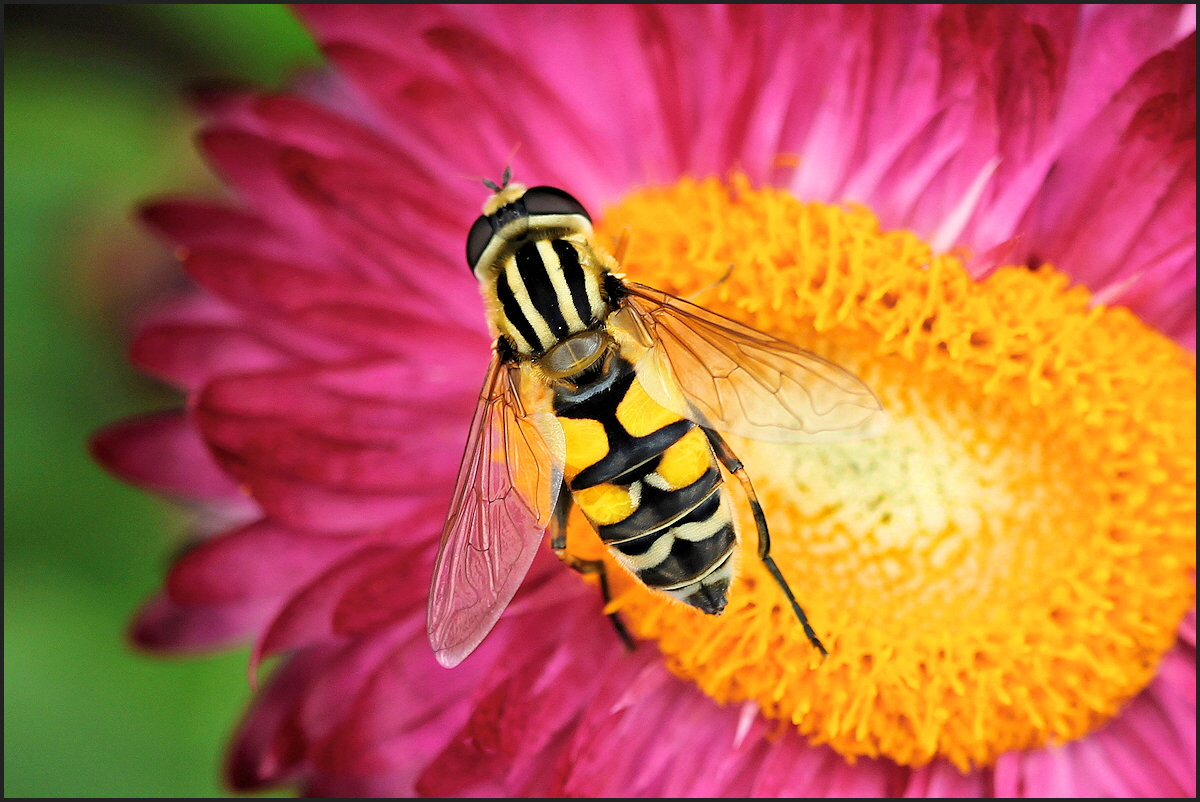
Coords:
558,542
736,468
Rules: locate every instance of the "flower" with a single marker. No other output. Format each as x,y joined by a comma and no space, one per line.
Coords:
1021,542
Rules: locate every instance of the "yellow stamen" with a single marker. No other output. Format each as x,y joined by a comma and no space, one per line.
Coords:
1006,566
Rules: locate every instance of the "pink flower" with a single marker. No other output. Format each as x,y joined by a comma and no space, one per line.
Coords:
332,352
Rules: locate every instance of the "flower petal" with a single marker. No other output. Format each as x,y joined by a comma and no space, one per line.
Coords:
328,607
269,744
164,625
162,452
942,780
262,559
188,353
333,448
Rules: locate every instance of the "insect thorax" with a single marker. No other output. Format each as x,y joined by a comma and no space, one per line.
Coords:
543,290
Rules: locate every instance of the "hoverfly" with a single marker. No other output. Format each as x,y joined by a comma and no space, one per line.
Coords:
611,395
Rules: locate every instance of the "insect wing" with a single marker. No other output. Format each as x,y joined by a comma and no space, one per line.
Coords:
735,379
503,502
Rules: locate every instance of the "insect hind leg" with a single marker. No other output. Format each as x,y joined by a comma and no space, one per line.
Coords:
736,468
558,542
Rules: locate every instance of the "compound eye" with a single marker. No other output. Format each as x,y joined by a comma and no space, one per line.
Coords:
477,240
551,200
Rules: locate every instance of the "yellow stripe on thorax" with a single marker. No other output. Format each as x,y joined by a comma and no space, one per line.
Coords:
561,291
512,275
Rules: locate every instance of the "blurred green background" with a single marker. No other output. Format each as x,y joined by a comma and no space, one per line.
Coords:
95,120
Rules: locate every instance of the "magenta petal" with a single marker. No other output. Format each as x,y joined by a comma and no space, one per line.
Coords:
362,206
188,354
201,224
262,559
407,699
317,507
1174,689
330,696
250,164
320,454
461,771
331,305
1122,201
612,752
511,735
942,780
269,745
164,625
317,611
302,123
1187,629
1139,753
162,452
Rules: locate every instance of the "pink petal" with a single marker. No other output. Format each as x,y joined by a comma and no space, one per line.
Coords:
162,452
319,611
330,697
258,560
1187,629
320,507
362,206
204,224
269,745
333,306
189,354
307,444
164,625
250,164
399,720
1121,202
1147,750
941,779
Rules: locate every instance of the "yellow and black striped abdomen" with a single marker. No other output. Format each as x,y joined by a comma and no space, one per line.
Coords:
649,482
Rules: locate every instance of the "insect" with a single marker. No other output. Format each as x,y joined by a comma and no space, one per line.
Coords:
612,396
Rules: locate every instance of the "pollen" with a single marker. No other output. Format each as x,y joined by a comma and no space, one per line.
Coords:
1006,565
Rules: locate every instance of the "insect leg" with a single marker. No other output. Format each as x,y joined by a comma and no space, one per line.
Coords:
695,296
558,542
735,468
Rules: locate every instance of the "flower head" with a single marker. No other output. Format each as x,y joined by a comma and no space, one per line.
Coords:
987,213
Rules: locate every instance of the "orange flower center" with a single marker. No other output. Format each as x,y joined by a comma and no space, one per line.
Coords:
1005,566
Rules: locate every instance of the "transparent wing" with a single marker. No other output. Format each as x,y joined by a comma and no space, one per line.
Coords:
736,379
502,504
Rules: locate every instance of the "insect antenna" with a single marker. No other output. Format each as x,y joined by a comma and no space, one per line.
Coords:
504,179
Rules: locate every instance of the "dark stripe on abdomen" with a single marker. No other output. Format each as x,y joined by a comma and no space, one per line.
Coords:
626,453
658,507
687,560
